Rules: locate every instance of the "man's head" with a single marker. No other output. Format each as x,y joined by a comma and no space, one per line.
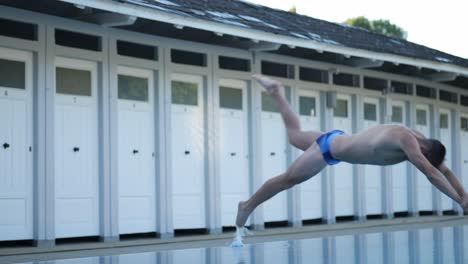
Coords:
435,152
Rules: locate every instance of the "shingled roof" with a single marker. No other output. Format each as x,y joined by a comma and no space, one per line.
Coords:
244,14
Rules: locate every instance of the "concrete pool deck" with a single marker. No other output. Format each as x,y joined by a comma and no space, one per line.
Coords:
88,249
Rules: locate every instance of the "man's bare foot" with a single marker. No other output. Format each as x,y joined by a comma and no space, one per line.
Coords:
270,85
242,214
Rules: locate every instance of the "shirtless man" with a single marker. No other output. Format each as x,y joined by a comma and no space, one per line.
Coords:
379,145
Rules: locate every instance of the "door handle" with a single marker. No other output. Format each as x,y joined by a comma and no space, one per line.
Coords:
187,152
6,145
272,153
76,149
233,153
465,161
135,151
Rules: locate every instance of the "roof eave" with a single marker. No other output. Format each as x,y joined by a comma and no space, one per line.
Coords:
151,14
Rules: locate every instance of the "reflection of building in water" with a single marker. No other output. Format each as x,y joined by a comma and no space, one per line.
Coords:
431,244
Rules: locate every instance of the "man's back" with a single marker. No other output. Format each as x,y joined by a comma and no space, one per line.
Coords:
378,145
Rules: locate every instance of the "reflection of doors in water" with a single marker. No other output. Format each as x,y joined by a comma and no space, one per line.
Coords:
445,126
375,248
273,151
16,179
344,171
188,151
345,252
195,255
136,168
311,200
234,165
402,240
464,150
427,244
399,171
373,174
76,148
424,187
312,249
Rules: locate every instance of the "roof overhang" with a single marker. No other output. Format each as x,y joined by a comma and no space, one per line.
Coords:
219,28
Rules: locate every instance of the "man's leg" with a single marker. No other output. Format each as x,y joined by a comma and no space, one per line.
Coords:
307,165
300,139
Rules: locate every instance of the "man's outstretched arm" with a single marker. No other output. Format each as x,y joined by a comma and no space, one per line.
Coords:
452,179
412,150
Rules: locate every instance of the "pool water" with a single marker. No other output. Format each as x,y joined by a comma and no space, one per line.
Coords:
433,244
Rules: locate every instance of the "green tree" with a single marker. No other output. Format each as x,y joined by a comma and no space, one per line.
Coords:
385,27
293,9
381,26
360,21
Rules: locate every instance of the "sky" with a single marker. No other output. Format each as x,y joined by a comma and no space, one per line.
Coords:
441,25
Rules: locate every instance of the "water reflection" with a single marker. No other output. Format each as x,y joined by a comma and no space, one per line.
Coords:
432,245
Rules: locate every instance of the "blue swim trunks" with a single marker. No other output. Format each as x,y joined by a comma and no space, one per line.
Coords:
324,142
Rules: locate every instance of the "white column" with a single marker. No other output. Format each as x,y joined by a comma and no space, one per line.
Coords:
214,135
40,146
49,138
412,186
212,203
107,191
294,194
113,141
328,179
256,218
359,179
165,180
456,149
387,181
435,133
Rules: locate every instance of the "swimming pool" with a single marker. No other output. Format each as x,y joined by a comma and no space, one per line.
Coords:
441,243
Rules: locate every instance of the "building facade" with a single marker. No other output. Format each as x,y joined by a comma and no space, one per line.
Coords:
108,132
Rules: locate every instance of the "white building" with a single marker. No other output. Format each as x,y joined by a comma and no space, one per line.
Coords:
140,117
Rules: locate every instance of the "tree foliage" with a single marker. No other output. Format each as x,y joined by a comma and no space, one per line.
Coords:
293,9
360,21
381,26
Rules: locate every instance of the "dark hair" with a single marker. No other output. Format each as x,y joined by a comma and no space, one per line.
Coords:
436,153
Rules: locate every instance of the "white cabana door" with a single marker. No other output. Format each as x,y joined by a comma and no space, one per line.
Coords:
16,178
311,199
136,162
342,120
445,125
373,174
188,152
76,149
424,187
399,171
464,149
234,160
273,152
